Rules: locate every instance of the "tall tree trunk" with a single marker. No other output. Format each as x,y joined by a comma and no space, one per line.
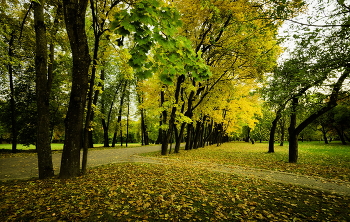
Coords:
144,132
119,121
114,140
43,144
273,132
189,114
340,133
163,119
74,14
293,136
127,122
178,137
282,128
105,133
12,97
168,132
89,110
332,102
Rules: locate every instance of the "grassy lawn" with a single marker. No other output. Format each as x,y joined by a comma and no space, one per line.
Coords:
59,146
180,192
315,158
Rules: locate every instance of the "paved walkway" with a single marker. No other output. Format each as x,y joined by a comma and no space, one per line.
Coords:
26,167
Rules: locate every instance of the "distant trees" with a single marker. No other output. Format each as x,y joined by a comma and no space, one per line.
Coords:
314,80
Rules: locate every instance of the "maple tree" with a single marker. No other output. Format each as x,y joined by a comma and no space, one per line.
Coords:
238,47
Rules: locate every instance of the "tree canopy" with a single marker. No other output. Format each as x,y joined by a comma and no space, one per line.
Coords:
200,72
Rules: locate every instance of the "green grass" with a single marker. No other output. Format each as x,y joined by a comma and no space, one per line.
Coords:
315,158
59,146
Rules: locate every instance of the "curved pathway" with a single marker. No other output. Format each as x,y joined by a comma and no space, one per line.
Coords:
25,167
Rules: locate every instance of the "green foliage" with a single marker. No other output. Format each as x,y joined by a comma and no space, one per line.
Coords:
150,25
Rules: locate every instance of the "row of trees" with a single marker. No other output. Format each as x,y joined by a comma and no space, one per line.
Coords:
195,70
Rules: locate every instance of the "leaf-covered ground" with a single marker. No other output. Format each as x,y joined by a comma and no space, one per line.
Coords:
315,158
156,192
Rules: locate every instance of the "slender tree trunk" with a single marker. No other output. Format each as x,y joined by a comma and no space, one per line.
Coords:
114,140
273,132
179,136
89,111
105,133
168,133
74,14
347,138
197,134
12,97
43,144
145,139
282,128
189,114
119,123
127,122
293,136
341,135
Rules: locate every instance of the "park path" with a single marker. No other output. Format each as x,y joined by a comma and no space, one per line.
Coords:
24,167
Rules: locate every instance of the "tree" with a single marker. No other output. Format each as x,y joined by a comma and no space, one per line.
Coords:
15,39
332,57
43,88
74,14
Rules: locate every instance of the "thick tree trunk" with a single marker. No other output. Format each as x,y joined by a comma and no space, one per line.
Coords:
43,144
74,14
293,135
293,147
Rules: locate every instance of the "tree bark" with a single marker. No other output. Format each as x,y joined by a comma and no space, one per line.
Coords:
144,132
168,132
43,144
282,128
12,97
324,133
293,136
74,14
189,114
340,133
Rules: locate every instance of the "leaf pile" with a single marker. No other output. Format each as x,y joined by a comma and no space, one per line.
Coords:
149,192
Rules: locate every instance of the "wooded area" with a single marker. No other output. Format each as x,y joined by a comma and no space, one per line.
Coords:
153,71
